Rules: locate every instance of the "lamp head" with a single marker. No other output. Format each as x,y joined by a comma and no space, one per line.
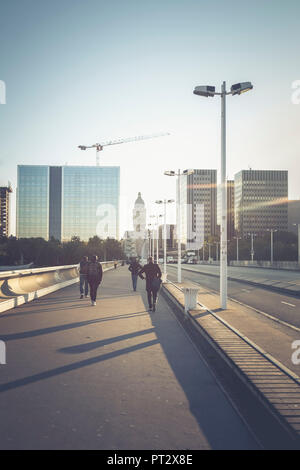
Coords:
239,88
204,91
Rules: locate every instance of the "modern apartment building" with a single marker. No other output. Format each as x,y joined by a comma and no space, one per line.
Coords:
67,201
261,201
4,210
198,201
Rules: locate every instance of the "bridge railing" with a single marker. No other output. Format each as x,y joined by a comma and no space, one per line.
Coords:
22,286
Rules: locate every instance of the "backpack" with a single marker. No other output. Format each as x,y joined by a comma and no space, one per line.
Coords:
93,270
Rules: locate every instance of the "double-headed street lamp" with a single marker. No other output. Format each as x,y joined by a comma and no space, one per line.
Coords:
165,202
178,218
210,91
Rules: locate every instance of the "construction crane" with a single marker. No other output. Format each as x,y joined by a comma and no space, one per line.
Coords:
99,147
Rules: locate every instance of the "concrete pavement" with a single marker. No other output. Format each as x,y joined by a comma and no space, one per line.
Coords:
114,376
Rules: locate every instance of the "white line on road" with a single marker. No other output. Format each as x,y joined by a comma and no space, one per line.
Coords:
286,303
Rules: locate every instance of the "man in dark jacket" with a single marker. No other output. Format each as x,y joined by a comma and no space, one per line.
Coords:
134,268
153,274
94,275
83,266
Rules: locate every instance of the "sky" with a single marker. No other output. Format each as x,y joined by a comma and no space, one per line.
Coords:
85,71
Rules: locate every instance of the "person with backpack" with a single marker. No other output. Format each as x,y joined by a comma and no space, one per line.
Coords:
83,284
94,275
153,280
134,268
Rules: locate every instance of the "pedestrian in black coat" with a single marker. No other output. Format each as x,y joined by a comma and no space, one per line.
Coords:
134,268
153,278
94,275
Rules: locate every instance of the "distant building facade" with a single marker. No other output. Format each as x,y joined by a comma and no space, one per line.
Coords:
261,201
67,201
198,197
135,242
171,237
4,210
293,215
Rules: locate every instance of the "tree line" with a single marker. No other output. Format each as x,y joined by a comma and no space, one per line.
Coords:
41,252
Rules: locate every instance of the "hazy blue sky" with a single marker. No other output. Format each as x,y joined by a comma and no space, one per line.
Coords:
81,71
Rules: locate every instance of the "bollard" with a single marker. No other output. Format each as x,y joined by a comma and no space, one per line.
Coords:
190,298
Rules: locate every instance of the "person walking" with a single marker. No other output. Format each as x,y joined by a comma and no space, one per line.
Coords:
134,268
83,283
94,275
153,280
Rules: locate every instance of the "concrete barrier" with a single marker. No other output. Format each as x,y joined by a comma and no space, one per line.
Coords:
288,265
19,287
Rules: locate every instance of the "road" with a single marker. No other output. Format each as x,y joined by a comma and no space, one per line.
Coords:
114,376
284,307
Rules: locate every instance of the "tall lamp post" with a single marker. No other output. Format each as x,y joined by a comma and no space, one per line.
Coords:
210,91
178,221
252,247
237,247
272,230
298,225
165,202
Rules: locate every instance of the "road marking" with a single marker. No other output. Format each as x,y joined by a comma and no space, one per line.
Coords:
246,290
286,303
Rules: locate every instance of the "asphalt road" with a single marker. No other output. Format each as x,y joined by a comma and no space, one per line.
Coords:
112,376
281,306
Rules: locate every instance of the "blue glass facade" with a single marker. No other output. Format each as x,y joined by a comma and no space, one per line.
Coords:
33,201
68,201
90,202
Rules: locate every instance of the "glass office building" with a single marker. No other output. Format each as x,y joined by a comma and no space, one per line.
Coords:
63,202
33,201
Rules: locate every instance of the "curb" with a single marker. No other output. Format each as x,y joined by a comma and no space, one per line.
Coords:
286,435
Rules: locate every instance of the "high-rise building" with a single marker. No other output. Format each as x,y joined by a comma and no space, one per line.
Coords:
198,197
261,201
230,209
293,215
67,201
171,237
4,210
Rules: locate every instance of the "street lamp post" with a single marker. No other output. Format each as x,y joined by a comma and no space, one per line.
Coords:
272,230
252,248
298,225
237,247
165,202
210,91
178,221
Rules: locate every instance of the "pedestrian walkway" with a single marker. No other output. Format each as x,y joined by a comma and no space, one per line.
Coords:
113,376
